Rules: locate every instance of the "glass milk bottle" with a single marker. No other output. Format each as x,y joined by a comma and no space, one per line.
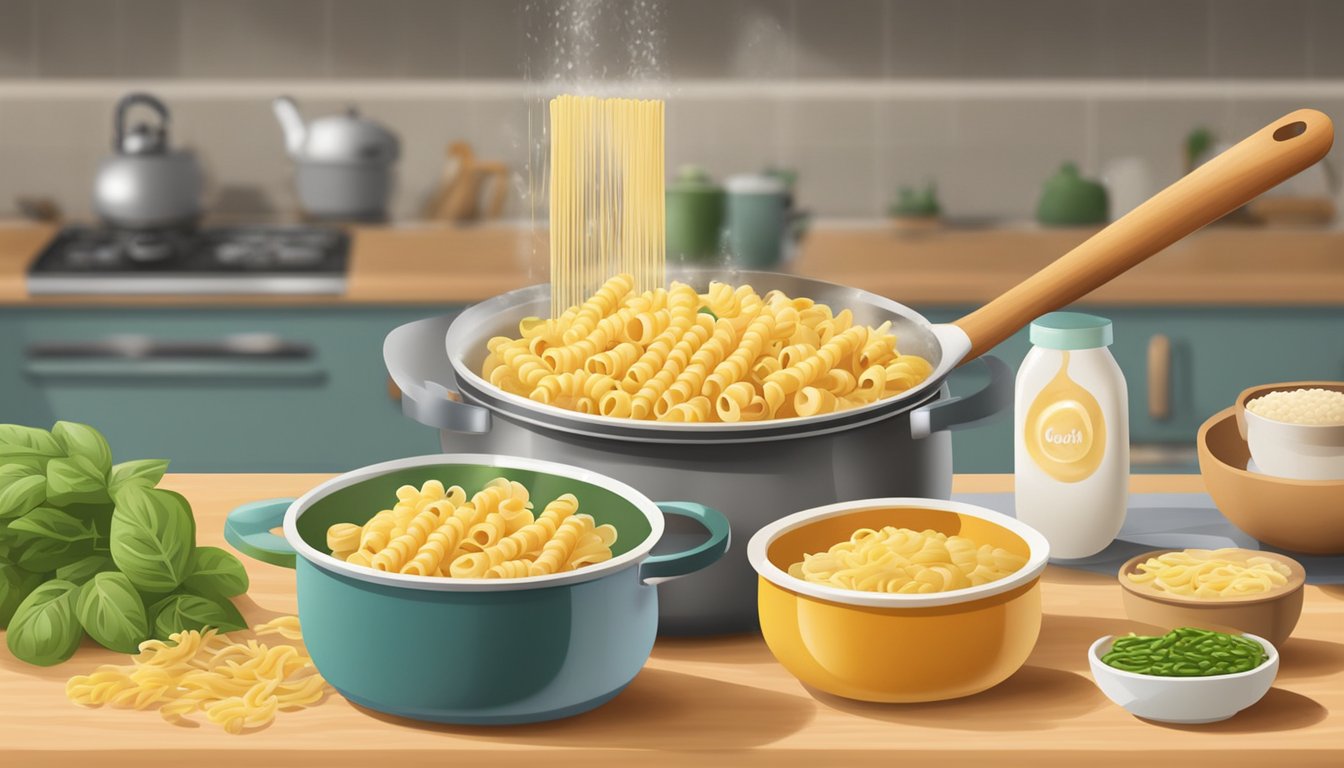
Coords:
1071,435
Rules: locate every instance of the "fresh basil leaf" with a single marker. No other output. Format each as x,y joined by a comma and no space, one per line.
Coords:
97,515
52,523
15,584
11,472
145,473
110,610
85,568
28,446
40,554
22,494
81,440
45,630
152,537
75,480
177,613
215,573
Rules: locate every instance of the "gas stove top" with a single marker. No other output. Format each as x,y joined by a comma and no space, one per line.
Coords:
209,260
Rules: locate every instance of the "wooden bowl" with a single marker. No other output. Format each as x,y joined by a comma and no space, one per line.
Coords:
1297,515
1271,615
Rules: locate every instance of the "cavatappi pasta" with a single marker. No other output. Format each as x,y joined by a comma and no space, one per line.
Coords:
905,561
727,355
1211,574
437,531
240,685
606,194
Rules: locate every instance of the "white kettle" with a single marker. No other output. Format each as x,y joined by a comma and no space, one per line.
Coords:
343,163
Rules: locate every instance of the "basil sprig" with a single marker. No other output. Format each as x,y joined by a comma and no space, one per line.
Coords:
91,547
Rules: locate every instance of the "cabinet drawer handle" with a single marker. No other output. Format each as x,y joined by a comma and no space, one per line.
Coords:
1159,377
255,347
297,373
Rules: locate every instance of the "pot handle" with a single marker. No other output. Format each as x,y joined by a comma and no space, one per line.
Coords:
967,410
659,568
417,361
248,530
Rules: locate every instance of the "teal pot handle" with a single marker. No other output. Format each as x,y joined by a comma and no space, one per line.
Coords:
658,568
248,529
969,410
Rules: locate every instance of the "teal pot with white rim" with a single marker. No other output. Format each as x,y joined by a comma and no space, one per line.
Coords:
477,651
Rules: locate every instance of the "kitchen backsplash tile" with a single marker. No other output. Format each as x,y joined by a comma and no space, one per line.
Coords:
917,142
923,39
728,38
1152,38
1143,138
17,38
370,39
1325,27
76,38
255,38
724,136
51,149
148,36
840,38
1004,91
831,145
1006,150
241,150
1260,38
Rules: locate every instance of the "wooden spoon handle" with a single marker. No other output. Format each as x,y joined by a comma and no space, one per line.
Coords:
1266,158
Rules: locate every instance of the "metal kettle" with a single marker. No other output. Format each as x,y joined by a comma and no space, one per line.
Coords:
343,163
144,184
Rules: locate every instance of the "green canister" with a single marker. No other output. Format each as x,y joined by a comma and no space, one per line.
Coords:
695,214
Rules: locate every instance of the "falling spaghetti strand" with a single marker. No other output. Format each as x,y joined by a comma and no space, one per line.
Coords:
606,195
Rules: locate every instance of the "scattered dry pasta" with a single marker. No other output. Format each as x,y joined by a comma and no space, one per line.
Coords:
240,685
1211,574
727,355
437,531
905,561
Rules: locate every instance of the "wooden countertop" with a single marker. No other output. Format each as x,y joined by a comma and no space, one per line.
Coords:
437,264
722,701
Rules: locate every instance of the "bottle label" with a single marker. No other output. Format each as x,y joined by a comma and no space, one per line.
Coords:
1065,431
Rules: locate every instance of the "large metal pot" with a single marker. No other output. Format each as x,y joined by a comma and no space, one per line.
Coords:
343,163
753,476
756,472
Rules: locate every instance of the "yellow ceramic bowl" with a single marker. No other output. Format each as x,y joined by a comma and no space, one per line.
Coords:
874,646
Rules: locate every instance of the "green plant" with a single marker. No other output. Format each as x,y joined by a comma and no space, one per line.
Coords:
88,546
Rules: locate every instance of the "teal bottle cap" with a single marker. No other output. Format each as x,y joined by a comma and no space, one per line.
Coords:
1071,330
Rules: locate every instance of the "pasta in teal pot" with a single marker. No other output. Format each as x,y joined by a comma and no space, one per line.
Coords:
498,650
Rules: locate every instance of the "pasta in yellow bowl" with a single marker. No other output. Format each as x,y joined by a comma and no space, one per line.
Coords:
901,599
437,531
727,355
907,562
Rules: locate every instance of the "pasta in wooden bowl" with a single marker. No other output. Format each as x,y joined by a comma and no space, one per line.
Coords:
727,355
1239,590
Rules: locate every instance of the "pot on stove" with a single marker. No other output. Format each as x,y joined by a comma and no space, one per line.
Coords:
144,184
343,163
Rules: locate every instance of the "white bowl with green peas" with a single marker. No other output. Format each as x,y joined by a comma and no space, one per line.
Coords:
1175,689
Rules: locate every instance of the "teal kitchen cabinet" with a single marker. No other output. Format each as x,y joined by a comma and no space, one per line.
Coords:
250,389
1211,354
